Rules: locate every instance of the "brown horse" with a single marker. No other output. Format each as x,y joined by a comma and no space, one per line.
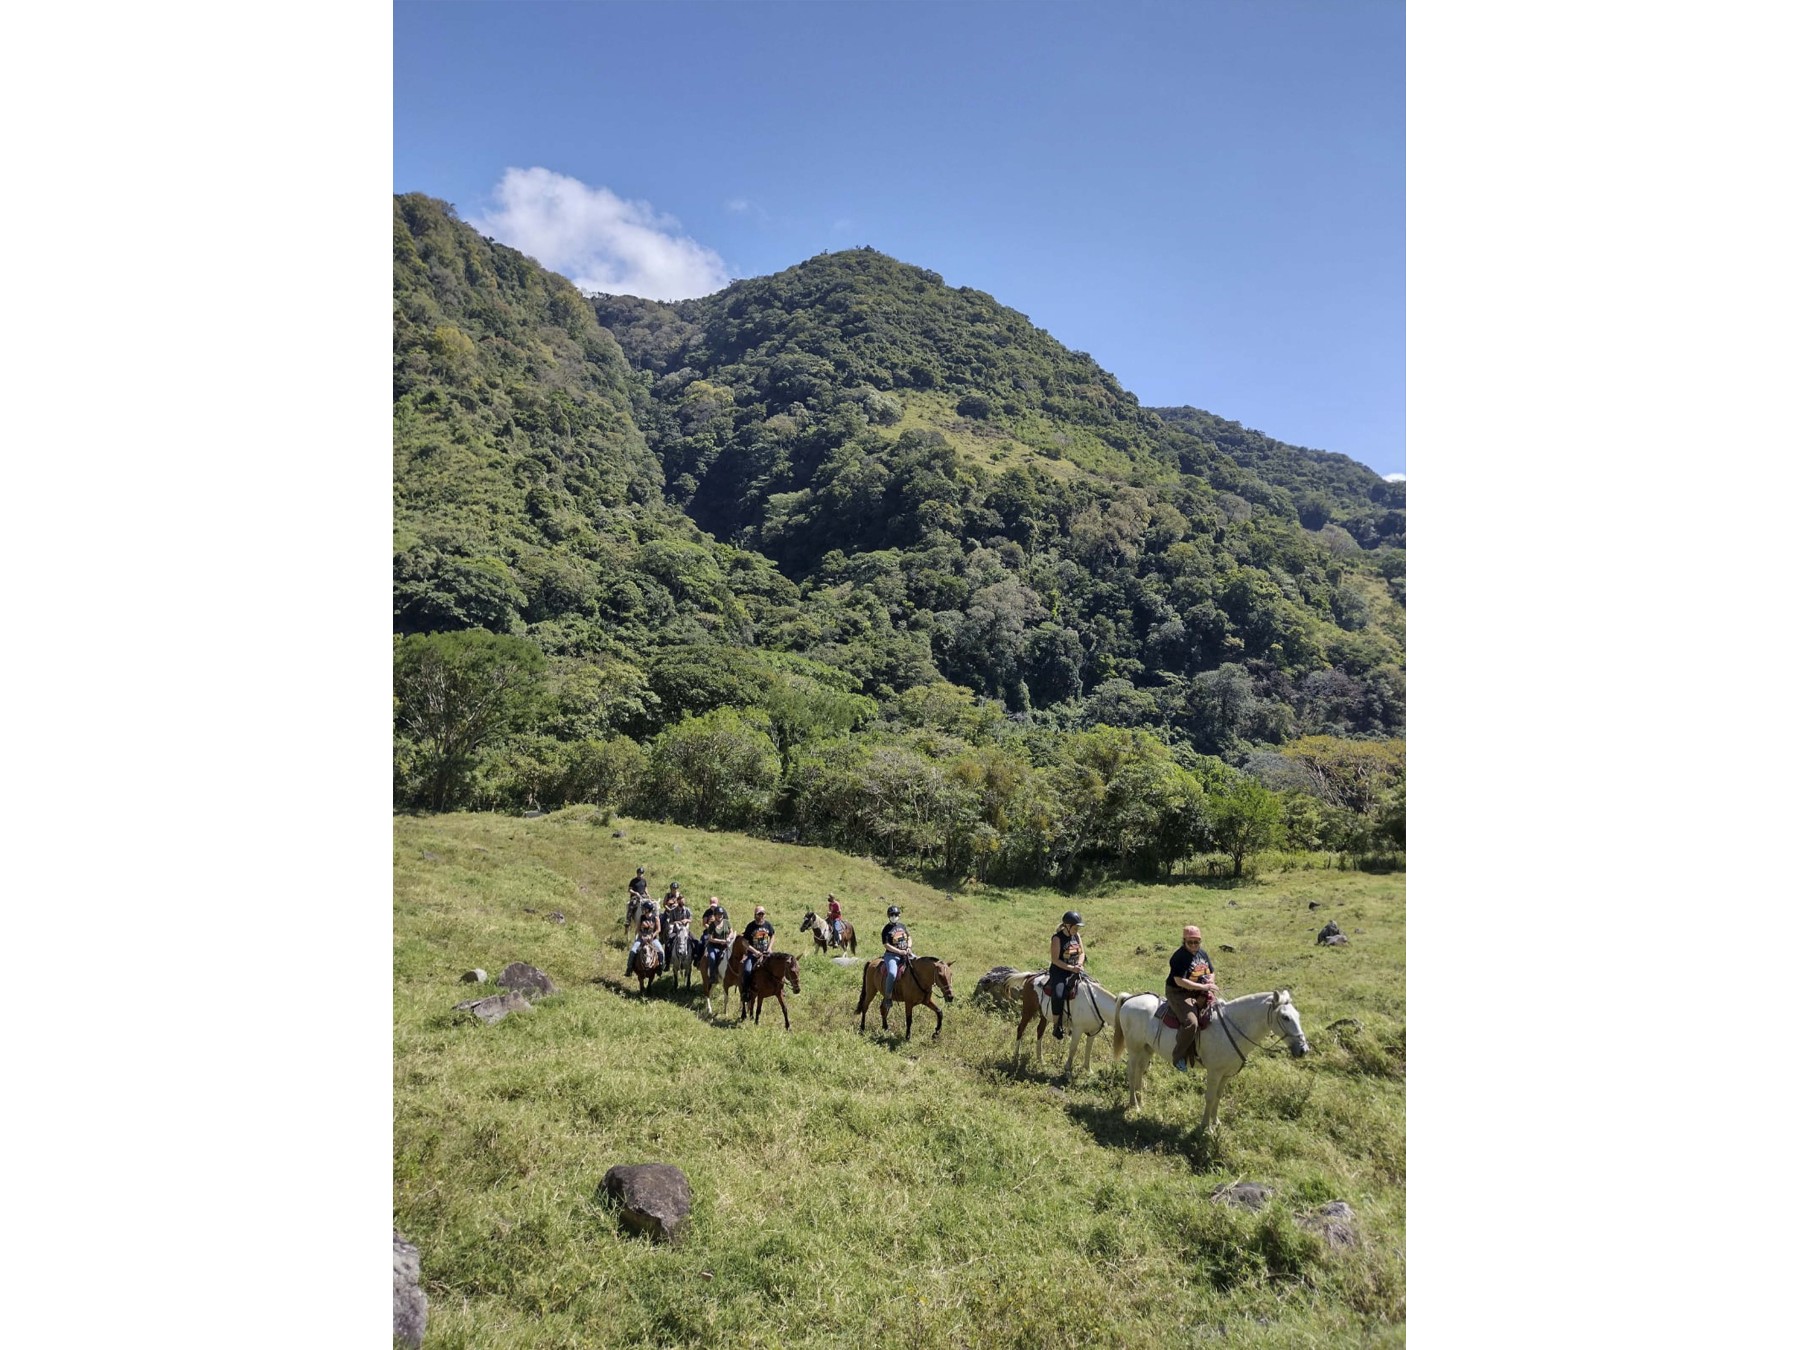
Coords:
821,933
912,986
771,972
646,965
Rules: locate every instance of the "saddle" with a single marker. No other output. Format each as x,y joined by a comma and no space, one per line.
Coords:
1167,1017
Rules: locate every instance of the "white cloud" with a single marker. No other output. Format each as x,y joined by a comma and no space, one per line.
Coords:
1394,477
599,240
738,204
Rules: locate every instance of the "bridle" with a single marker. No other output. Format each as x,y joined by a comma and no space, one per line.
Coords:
1243,1060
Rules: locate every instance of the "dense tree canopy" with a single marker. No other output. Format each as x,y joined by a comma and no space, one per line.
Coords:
850,551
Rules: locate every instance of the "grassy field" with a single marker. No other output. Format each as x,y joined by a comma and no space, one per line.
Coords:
863,1190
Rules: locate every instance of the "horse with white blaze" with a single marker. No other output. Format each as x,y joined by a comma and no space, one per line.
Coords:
1237,1028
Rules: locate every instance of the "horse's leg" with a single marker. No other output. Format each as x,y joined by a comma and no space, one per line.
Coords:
938,1029
1019,1035
1215,1084
909,1013
1069,1064
785,1024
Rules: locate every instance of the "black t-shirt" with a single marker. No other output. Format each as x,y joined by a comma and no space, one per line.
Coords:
895,935
639,886
759,934
1194,965
677,914
1068,948
647,923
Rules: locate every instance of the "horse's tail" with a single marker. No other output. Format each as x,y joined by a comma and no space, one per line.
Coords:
1118,1021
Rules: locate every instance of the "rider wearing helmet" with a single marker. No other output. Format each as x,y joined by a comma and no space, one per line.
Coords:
759,935
896,951
1066,961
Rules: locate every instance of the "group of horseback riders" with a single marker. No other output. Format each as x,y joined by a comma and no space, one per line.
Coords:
657,927
1190,989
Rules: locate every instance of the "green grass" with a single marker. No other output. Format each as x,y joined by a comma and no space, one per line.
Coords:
854,1189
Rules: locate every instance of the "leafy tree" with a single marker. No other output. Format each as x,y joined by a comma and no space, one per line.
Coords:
716,769
456,693
1246,818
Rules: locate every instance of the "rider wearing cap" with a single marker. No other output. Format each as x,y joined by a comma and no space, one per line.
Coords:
834,916
1190,991
759,934
715,935
1066,961
640,885
896,951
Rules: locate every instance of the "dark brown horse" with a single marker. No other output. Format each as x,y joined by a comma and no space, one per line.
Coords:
822,936
772,971
912,986
646,965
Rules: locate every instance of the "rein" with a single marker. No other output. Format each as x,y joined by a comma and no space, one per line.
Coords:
1243,1059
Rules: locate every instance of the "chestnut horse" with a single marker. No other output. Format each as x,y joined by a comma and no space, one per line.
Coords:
912,986
771,972
821,931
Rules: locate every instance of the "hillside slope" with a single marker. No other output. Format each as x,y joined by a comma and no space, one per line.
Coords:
856,1188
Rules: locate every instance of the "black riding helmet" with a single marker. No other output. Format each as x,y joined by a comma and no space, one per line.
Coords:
1072,917
893,911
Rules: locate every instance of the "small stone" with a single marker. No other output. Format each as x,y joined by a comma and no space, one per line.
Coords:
475,976
525,978
1248,1195
531,911
410,1303
1312,904
1227,947
618,834
652,1198
1231,904
429,857
1337,940
556,916
495,1006
1356,930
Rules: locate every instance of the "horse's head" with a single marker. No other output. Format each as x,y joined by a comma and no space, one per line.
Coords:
792,973
807,923
942,979
1285,1018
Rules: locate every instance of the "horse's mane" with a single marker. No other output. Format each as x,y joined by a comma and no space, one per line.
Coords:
940,960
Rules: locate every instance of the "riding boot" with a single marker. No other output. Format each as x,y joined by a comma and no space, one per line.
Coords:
1057,1030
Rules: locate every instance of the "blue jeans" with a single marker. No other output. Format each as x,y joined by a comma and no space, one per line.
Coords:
890,969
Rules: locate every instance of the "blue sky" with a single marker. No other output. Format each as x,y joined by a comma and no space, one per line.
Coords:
1208,198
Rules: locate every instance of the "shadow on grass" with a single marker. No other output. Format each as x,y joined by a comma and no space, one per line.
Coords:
1141,1133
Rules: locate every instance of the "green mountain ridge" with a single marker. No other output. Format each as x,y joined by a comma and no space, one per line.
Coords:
850,481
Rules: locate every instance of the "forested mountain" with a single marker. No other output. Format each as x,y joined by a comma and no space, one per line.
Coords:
842,496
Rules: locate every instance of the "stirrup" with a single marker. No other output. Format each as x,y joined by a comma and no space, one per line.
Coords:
1180,1066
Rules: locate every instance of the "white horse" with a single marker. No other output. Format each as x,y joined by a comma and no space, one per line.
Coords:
1237,1028
681,953
1087,1012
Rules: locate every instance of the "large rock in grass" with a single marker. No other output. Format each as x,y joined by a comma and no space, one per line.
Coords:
495,1006
526,979
652,1198
1249,1195
1328,932
409,1299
